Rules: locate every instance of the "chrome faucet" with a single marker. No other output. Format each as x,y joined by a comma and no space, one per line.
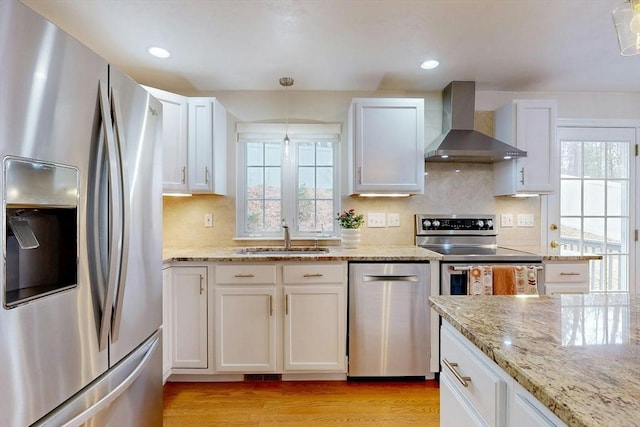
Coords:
287,237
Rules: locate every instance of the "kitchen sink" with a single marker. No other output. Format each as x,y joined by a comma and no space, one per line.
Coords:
283,251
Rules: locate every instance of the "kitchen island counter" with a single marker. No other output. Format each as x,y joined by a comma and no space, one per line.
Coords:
335,253
579,355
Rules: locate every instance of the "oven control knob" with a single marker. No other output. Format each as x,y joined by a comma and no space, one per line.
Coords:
480,223
426,223
489,224
436,223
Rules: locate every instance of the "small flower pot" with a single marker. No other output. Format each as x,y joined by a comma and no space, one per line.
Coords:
350,238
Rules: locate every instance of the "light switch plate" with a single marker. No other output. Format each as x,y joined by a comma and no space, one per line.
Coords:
393,220
525,220
506,220
376,220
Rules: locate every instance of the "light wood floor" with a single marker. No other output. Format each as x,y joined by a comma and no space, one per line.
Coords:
293,403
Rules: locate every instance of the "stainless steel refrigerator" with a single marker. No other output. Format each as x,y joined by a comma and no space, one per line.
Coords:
80,314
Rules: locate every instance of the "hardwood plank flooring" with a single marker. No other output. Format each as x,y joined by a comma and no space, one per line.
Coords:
307,403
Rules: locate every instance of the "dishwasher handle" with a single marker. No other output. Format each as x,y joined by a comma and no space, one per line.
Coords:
389,278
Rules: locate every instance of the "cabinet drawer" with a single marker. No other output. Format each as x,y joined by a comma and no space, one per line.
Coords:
485,390
566,273
241,274
314,273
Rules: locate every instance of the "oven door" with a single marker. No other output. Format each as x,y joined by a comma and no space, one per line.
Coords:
453,282
454,276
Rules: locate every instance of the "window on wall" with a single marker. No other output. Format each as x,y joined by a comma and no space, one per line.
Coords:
295,181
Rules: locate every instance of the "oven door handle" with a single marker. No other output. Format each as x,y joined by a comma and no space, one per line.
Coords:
468,267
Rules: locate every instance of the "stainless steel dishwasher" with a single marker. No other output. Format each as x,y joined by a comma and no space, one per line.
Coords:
389,333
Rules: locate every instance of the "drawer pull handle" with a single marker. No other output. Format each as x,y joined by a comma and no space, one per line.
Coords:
569,274
452,365
201,284
307,275
244,275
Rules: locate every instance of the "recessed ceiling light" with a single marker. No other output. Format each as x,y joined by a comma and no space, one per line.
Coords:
159,52
430,64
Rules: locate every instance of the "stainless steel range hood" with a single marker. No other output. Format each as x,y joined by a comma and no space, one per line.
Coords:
459,142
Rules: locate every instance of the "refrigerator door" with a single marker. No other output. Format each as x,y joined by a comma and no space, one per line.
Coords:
138,301
48,111
124,396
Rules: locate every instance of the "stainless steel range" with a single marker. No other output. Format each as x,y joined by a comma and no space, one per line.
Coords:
465,241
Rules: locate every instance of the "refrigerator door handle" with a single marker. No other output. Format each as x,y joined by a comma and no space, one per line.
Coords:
124,209
115,221
105,400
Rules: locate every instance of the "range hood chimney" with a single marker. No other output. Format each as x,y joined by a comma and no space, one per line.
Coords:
459,142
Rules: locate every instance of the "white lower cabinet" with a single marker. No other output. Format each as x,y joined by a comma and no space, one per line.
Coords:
474,391
562,277
245,328
166,323
314,318
278,318
189,321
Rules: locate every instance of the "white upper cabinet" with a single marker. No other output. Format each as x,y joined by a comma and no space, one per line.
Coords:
194,143
207,146
530,125
386,146
174,140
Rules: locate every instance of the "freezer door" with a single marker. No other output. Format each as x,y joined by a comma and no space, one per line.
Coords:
48,111
129,394
138,300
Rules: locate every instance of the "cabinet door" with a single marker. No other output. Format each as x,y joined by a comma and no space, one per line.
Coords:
455,410
189,317
535,133
245,329
174,140
315,328
207,146
166,323
528,124
388,145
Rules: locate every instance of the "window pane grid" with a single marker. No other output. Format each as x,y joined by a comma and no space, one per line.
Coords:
315,192
298,185
263,189
595,207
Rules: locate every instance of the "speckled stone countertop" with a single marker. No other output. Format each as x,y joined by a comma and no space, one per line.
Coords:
577,354
571,257
336,253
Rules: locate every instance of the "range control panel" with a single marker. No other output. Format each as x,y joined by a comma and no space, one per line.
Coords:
454,224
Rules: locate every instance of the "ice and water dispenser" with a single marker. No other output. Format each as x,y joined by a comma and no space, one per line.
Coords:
41,229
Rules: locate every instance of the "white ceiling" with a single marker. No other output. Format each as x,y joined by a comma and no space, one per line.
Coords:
511,45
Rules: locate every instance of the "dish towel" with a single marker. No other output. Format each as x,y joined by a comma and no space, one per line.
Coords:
480,280
504,279
526,280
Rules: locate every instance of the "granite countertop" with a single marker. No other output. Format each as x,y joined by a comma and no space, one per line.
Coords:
336,253
577,354
590,257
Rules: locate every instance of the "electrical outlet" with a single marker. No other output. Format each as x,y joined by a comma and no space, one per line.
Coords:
208,220
525,220
376,219
506,220
393,220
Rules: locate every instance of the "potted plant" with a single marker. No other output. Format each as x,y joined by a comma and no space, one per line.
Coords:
350,224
